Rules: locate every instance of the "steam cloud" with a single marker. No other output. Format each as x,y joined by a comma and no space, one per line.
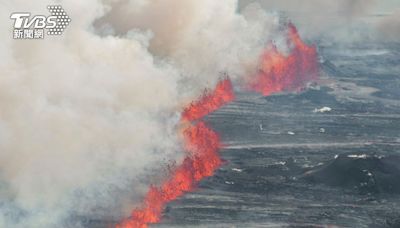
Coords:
87,117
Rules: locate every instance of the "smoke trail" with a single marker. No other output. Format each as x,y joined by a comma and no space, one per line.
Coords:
86,118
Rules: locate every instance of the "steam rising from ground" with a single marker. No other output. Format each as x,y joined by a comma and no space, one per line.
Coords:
86,117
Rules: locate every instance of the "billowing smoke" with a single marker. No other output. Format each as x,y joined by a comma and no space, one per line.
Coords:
200,37
87,117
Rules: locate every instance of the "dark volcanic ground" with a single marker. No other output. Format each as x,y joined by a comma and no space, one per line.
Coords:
275,144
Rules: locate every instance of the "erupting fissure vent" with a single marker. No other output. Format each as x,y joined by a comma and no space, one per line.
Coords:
277,73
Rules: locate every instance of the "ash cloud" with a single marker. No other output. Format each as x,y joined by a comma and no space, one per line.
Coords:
89,118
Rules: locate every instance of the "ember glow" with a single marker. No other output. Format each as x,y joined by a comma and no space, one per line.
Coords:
279,72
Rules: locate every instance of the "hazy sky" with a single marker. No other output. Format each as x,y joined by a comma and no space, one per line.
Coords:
380,6
341,20
387,5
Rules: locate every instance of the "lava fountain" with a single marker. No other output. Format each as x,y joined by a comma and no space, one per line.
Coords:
277,73
281,73
210,101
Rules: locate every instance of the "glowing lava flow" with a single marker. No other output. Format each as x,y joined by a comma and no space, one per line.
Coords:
202,159
279,72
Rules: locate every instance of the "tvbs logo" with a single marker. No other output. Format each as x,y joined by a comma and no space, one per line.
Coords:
27,27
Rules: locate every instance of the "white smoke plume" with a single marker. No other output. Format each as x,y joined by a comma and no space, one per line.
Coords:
87,117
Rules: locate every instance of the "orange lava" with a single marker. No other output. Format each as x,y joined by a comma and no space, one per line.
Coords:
202,159
279,72
210,102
